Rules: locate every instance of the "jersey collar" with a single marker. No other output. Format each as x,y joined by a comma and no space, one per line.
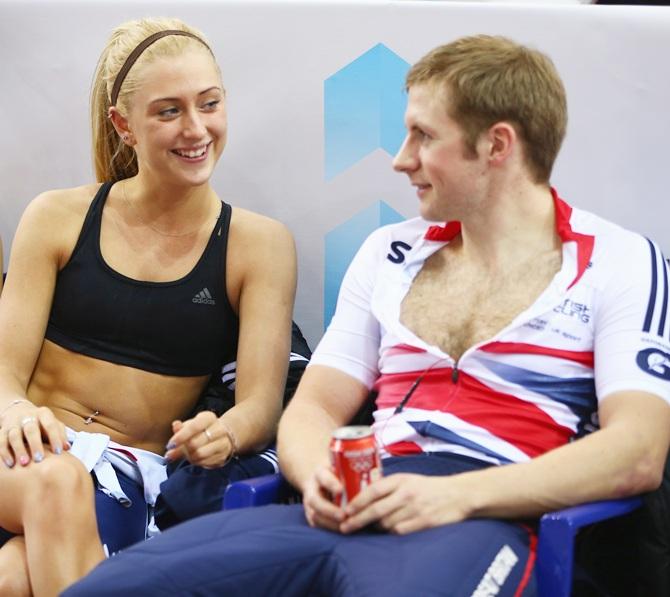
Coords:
564,230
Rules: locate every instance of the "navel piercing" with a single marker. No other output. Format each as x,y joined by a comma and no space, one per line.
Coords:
88,420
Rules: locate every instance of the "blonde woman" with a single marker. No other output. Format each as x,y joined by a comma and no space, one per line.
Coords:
146,284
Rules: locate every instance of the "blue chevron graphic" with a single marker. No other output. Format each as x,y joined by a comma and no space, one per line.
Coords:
364,103
342,243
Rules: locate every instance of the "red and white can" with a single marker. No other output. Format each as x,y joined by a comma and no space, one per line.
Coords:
355,458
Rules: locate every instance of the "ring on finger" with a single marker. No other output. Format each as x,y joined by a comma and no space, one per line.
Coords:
27,420
209,435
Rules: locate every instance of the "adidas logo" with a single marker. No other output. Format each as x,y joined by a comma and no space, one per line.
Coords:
203,298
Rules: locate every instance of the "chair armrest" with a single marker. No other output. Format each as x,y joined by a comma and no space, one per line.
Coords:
256,491
555,547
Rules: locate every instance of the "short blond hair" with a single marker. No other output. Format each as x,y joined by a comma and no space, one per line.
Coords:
489,79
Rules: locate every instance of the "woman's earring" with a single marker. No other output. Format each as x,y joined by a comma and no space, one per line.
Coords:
125,137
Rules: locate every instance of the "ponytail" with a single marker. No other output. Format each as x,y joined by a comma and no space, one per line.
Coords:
113,160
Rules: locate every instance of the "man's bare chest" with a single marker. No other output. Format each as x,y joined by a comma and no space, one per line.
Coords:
455,307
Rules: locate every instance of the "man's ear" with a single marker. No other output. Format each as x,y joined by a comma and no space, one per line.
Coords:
502,140
120,124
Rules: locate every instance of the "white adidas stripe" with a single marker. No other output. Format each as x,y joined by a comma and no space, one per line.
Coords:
229,367
228,377
272,461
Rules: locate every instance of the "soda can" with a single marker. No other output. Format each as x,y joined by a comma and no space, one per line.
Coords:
355,459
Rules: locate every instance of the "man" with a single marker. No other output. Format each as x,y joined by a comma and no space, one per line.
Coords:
493,341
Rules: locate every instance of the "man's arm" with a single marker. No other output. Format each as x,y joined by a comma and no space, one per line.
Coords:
625,457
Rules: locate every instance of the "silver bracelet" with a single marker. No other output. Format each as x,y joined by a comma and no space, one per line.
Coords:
231,438
12,403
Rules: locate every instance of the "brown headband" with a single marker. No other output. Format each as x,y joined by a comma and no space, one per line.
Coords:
135,54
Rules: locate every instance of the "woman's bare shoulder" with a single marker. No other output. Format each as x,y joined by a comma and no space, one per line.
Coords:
62,203
62,213
248,223
256,240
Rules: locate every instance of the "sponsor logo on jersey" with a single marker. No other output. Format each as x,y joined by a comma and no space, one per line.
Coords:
398,249
203,298
571,308
536,324
655,362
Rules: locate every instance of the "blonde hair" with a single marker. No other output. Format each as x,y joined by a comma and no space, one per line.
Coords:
489,79
113,159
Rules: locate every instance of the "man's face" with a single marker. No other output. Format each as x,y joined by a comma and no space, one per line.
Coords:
447,176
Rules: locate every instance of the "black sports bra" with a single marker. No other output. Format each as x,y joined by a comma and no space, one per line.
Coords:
183,328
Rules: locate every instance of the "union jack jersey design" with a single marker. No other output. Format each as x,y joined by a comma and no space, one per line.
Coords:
600,327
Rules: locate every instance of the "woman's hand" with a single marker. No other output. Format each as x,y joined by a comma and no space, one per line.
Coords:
204,440
24,430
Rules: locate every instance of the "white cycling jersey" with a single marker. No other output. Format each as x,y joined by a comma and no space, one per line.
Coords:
601,326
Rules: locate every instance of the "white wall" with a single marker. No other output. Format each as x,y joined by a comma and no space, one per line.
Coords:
275,57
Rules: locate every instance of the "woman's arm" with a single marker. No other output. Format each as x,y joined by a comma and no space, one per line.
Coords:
267,294
261,280
36,255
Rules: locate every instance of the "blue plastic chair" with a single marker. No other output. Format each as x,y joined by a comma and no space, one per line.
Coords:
556,541
556,536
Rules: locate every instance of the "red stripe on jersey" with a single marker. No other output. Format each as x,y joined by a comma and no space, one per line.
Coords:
584,242
581,357
403,349
403,448
125,453
505,416
443,233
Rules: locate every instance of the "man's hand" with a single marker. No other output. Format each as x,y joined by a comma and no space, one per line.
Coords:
404,503
317,498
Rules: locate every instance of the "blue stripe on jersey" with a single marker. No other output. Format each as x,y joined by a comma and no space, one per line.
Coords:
430,429
577,393
652,294
661,324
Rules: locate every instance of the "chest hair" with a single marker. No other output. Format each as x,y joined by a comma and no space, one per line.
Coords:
454,306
